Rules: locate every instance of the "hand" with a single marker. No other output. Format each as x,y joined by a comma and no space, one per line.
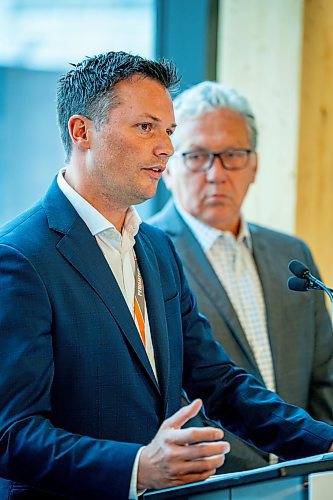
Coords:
178,456
331,449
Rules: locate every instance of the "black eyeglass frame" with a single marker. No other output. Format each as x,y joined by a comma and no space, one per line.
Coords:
220,156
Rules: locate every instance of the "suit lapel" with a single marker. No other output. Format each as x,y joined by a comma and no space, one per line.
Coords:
267,268
79,247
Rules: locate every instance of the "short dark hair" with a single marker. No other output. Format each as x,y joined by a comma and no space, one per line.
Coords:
87,88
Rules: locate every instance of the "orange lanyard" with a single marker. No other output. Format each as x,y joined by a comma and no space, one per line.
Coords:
139,302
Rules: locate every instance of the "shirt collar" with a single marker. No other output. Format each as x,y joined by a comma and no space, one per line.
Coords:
207,235
95,221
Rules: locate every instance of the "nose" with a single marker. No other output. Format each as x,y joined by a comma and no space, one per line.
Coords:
217,173
164,146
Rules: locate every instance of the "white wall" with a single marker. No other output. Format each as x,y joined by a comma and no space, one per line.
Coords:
260,55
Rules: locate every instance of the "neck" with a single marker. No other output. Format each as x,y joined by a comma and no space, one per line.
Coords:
232,227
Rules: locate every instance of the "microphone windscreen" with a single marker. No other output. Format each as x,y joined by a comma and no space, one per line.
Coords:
298,268
298,284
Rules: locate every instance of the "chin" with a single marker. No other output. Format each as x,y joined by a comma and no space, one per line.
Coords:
150,193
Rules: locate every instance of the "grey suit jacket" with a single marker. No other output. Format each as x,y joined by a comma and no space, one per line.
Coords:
298,324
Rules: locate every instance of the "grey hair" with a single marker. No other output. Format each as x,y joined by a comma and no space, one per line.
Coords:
208,96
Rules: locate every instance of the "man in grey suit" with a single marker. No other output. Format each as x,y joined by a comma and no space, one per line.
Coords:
239,270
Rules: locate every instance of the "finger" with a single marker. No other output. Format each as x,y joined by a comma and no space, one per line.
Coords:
201,451
192,478
193,435
206,465
204,450
183,415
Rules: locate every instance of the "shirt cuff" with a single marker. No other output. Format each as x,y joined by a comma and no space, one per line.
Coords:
133,492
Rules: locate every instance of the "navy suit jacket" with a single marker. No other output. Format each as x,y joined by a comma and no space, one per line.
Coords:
77,393
299,327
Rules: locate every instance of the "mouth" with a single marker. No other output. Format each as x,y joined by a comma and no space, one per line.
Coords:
217,195
155,172
217,198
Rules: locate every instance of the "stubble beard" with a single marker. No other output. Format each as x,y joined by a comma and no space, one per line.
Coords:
121,196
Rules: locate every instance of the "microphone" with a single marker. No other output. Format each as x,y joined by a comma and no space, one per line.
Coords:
298,284
303,280
302,285
298,268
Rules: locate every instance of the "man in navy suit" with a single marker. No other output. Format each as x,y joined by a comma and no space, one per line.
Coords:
99,328
237,270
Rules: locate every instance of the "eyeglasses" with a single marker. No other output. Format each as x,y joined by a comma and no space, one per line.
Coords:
231,159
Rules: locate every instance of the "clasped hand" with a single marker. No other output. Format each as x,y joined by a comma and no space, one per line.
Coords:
179,456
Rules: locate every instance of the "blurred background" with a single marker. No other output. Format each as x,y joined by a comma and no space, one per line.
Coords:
277,53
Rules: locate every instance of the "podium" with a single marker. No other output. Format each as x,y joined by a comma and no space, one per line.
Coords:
307,478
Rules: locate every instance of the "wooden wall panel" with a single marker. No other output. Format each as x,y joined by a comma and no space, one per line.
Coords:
314,214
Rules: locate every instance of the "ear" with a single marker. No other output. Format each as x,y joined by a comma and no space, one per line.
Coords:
79,128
